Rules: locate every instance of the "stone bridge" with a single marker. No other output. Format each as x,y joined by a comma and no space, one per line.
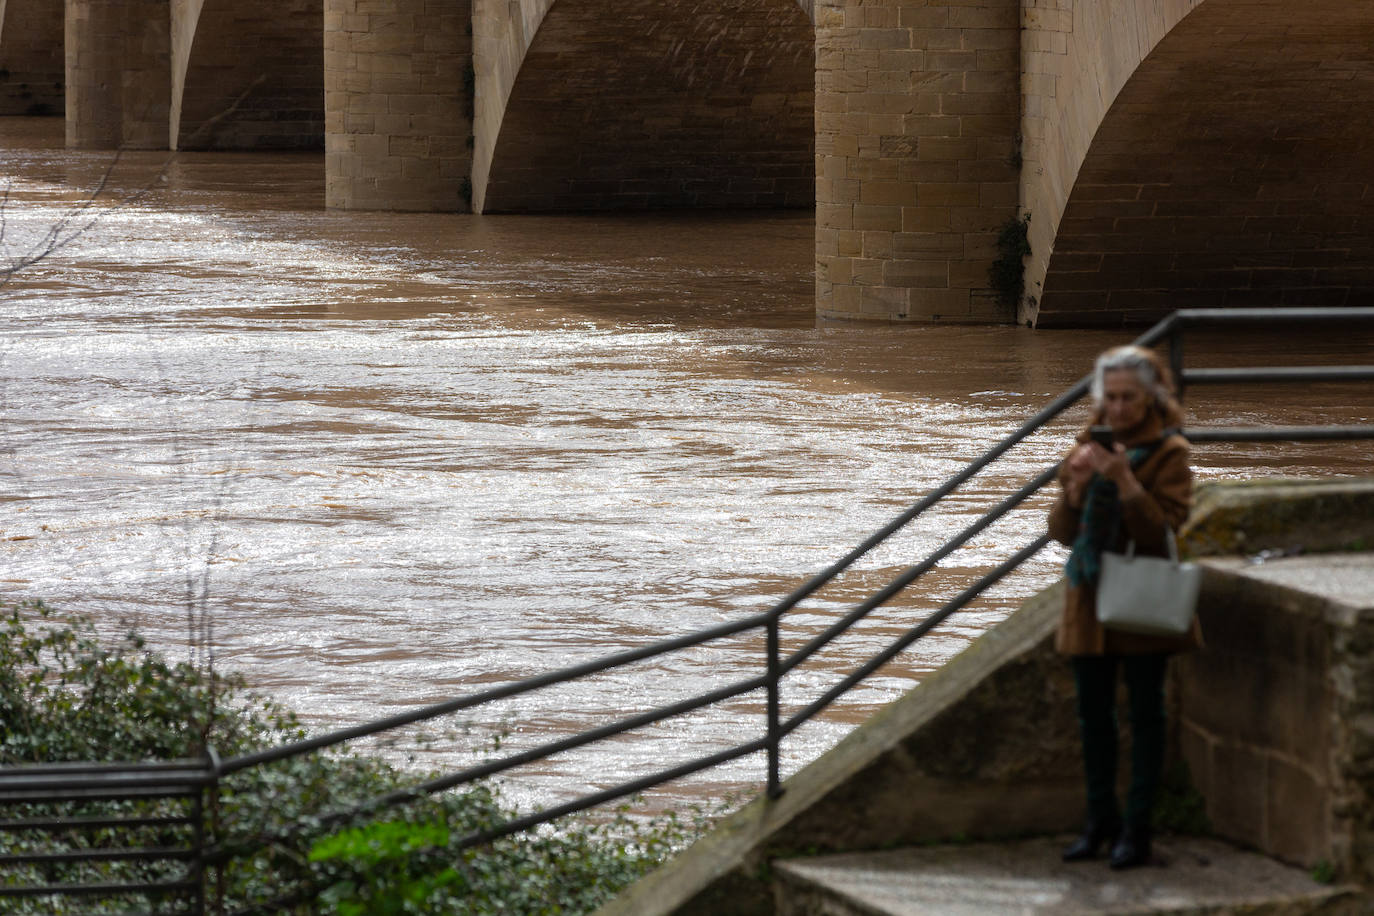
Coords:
1168,153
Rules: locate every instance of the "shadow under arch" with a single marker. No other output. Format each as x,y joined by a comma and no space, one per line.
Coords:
32,69
640,104
1235,168
252,76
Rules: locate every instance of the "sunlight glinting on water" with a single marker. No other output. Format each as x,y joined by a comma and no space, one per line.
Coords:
396,458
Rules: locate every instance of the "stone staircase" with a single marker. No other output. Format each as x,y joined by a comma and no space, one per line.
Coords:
1275,723
1189,876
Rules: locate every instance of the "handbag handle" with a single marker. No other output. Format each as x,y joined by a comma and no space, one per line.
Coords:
1169,539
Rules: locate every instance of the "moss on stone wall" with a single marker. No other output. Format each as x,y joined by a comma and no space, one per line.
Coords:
1285,516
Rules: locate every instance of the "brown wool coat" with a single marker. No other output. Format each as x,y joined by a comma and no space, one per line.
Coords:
1168,484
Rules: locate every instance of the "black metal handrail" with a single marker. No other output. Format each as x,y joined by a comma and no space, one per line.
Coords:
172,794
1169,331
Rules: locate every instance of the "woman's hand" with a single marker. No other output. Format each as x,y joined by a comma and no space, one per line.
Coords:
1115,466
1079,470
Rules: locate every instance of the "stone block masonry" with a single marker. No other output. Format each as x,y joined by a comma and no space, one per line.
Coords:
917,114
398,104
254,78
118,55
32,71
642,104
1230,168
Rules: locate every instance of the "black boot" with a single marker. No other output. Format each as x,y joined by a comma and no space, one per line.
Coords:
1132,847
1097,831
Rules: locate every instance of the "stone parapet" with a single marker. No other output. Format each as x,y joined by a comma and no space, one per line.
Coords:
985,746
32,69
398,104
917,111
118,65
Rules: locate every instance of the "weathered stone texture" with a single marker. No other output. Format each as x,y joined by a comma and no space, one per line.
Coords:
634,105
917,109
398,104
1233,169
1077,56
32,69
118,65
1274,715
1283,516
254,76
1204,877
1256,723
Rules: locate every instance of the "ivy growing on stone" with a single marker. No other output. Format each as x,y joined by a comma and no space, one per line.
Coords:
1007,273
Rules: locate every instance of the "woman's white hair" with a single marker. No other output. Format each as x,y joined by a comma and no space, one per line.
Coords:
1135,359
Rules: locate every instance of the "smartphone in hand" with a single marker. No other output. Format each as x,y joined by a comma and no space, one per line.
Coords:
1102,435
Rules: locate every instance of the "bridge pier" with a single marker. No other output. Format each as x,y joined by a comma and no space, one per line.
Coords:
398,105
118,66
917,115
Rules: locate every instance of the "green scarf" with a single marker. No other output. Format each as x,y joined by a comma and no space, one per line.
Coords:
1099,522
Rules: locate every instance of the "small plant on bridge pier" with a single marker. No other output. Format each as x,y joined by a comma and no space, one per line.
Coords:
1007,273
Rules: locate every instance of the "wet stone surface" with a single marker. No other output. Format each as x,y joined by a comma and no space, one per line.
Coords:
1189,875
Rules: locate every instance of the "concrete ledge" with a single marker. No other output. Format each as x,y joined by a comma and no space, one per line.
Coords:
990,879
1310,516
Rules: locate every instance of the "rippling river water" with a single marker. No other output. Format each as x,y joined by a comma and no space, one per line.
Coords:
381,459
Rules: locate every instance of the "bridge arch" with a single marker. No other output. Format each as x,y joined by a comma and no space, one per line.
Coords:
1234,168
609,104
248,74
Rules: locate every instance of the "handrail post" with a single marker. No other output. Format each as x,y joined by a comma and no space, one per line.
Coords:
774,728
1176,357
197,865
216,832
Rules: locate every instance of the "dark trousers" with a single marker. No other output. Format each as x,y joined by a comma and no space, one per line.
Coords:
1095,678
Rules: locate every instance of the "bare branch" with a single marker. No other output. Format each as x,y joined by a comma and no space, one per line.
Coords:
60,234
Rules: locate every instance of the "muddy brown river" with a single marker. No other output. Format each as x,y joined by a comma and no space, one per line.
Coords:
374,460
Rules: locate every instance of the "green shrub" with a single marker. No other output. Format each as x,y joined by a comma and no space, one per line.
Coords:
66,696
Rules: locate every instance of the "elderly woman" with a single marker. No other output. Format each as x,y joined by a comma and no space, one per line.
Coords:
1132,490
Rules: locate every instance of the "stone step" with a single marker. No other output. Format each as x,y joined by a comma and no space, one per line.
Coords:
1188,876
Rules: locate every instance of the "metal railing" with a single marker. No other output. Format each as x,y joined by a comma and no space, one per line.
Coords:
775,727
100,815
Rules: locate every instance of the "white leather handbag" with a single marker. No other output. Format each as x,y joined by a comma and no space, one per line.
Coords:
1151,595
